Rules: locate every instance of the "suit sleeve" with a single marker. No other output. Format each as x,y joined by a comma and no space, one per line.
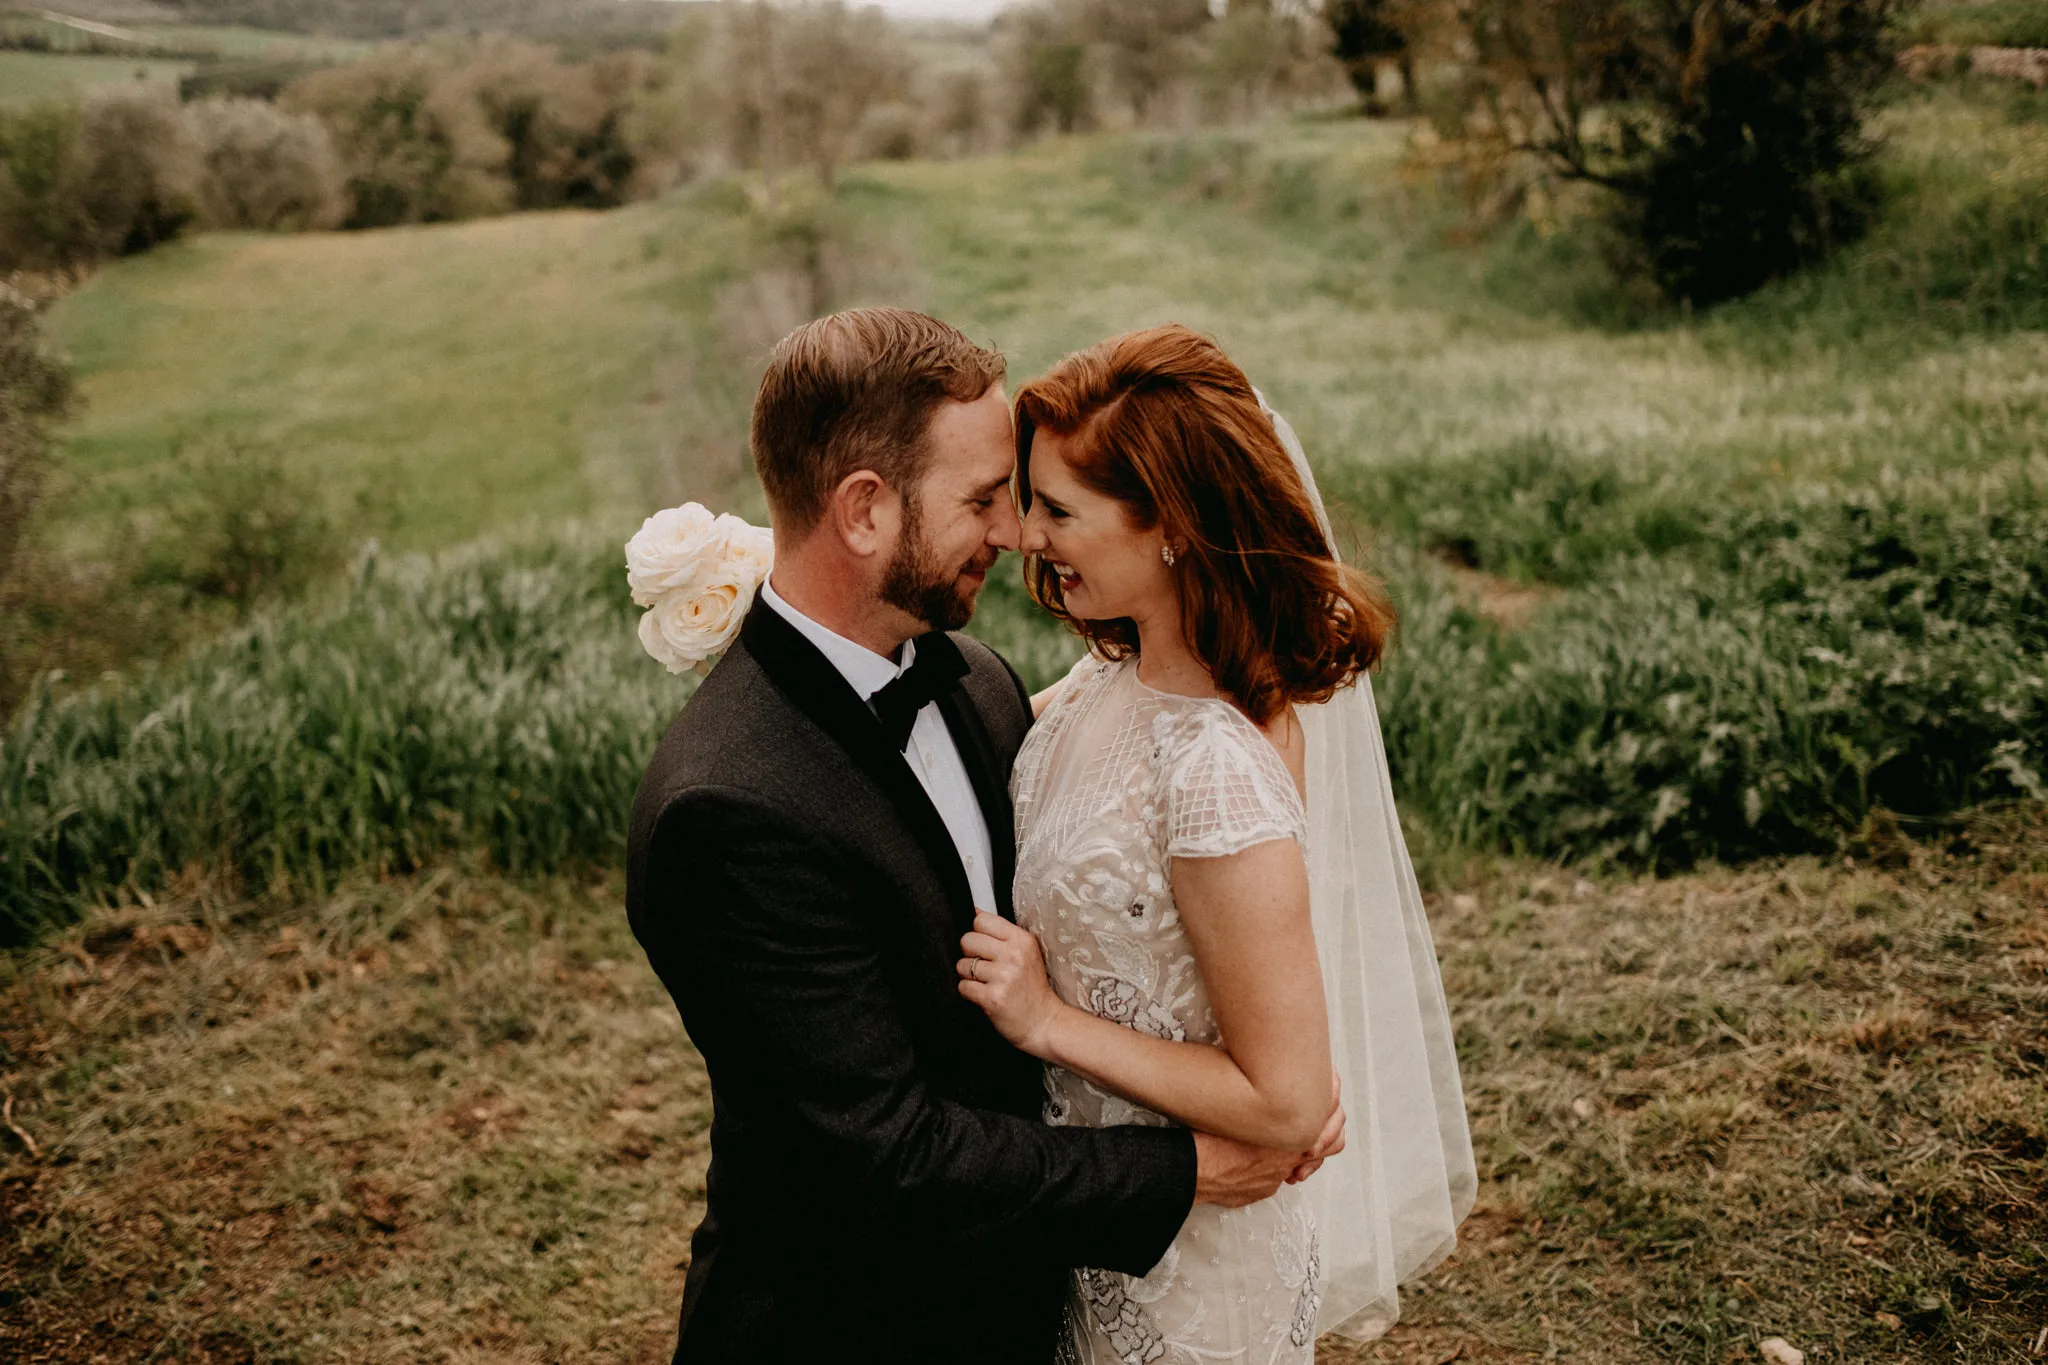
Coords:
781,955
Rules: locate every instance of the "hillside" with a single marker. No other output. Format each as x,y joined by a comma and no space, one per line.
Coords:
561,364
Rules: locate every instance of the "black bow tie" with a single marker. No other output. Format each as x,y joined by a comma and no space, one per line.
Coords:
937,670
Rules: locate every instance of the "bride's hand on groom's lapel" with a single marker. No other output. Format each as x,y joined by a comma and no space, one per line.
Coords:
1004,973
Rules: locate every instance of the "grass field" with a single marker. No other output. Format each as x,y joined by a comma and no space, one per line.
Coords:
32,77
538,365
319,1081
451,1118
162,54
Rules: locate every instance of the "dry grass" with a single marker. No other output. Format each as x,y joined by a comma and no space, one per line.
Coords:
450,1119
1796,1100
445,1119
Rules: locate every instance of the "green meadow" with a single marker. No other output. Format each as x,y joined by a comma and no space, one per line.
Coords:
32,77
569,364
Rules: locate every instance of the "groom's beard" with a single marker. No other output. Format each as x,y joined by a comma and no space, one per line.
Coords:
915,582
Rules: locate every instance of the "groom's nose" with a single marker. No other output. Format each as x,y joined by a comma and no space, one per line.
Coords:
1004,530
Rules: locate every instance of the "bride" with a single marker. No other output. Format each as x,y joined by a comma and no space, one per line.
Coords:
1215,909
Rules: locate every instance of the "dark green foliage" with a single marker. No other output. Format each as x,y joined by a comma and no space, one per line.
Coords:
1048,74
117,174
1761,681
1365,32
433,134
1730,133
1758,167
1736,673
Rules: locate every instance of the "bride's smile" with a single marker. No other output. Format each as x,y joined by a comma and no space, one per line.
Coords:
1106,566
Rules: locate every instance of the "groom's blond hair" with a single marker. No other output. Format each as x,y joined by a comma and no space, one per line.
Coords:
857,390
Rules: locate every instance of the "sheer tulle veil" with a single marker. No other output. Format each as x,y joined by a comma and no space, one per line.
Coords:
1389,1205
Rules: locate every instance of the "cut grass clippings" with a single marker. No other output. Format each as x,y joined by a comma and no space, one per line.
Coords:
445,1117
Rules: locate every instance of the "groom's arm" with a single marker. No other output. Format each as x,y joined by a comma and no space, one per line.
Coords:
784,970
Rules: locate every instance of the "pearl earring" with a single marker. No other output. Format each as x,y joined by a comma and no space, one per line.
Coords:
1166,553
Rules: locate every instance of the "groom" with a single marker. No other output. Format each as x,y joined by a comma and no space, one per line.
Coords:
810,842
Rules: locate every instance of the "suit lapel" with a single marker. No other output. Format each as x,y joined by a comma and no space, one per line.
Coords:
817,689
991,792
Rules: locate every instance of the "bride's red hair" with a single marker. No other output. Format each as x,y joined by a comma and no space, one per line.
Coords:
1163,422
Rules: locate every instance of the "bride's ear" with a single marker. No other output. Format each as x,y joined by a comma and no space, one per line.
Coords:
866,513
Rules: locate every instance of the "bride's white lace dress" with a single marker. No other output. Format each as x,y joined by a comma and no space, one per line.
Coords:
1114,782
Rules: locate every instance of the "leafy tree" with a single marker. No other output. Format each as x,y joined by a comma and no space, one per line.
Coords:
1365,33
1147,46
792,84
1045,67
266,168
415,148
1730,131
1265,52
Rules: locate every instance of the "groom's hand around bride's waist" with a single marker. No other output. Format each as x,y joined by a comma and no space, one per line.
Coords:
1233,1174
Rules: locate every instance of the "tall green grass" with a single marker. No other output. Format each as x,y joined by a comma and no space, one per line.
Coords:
495,699
1764,687
1733,670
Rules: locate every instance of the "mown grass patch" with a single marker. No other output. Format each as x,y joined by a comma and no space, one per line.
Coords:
449,1116
32,77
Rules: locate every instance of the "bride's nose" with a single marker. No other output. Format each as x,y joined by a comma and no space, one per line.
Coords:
1031,536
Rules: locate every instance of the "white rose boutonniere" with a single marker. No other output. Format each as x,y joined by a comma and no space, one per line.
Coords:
696,574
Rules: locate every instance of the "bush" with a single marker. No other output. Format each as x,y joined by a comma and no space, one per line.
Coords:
1798,661
35,389
116,174
267,169
246,527
413,148
1759,164
42,221
140,170
1729,134
1734,675
434,134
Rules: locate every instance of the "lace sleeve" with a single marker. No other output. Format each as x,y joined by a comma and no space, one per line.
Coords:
1228,789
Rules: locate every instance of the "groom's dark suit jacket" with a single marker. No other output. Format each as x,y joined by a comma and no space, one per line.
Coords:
881,1185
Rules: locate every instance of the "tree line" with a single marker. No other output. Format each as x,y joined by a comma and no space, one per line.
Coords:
456,128
1723,141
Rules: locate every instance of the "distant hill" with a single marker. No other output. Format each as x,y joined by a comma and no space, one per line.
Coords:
598,22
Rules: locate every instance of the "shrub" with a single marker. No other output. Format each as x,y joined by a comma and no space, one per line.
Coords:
266,168
140,169
118,173
1730,134
35,389
1757,680
246,527
42,219
412,147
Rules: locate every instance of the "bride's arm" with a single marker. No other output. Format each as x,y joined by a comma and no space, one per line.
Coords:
1247,918
1041,700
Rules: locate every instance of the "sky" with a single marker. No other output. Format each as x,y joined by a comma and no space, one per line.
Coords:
970,10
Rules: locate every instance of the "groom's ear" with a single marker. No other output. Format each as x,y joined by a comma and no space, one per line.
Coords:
866,513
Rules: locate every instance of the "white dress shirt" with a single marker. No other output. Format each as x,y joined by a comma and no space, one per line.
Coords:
931,753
